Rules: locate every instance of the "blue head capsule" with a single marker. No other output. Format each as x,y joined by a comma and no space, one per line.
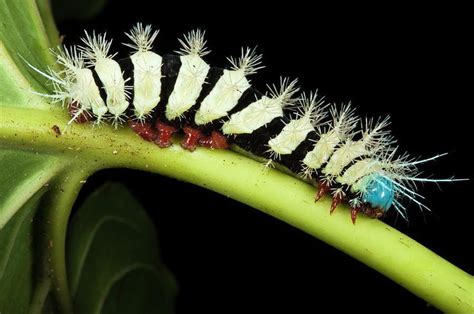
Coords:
379,192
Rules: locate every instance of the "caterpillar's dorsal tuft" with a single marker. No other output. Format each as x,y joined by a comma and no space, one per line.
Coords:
249,61
193,43
142,38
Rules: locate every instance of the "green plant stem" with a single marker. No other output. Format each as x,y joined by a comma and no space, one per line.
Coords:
62,195
39,298
370,241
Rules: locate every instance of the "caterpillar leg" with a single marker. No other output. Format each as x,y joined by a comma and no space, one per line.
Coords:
373,212
165,132
323,188
74,109
366,210
215,140
191,138
145,130
354,212
336,200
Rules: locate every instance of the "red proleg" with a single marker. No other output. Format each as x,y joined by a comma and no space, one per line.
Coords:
215,140
336,200
191,138
323,189
165,132
145,130
73,109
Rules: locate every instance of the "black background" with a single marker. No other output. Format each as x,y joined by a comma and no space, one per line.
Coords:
412,63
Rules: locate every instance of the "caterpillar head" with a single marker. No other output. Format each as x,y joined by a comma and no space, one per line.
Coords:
379,192
389,180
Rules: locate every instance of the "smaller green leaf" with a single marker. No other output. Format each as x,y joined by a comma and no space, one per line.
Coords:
112,257
23,36
21,176
16,259
44,9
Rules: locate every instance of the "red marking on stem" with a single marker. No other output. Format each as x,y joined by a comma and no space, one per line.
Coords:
215,140
165,132
191,138
145,130
73,108
323,189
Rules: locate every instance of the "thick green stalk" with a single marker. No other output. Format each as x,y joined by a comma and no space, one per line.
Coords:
371,241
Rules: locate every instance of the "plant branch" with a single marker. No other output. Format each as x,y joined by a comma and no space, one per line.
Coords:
39,297
61,197
372,242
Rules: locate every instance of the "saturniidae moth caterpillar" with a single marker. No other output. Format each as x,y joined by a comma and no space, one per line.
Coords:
352,159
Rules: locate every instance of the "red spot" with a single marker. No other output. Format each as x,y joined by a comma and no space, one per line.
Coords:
323,189
373,212
215,140
336,200
145,130
191,138
354,212
73,109
165,132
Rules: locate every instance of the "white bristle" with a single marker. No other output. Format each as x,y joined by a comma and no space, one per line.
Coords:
249,61
193,43
142,37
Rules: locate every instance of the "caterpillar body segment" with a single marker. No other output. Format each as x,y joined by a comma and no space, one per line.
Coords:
108,71
146,68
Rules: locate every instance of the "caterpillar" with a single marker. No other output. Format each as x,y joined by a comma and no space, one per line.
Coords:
351,159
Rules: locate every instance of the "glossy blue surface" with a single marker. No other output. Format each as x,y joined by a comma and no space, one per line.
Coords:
379,193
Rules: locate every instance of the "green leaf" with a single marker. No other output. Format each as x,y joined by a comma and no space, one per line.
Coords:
25,179
23,37
112,257
44,8
17,259
25,173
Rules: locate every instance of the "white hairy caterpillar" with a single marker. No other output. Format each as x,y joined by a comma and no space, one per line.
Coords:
161,95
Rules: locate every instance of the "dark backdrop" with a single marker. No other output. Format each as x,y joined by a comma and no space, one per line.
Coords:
411,63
